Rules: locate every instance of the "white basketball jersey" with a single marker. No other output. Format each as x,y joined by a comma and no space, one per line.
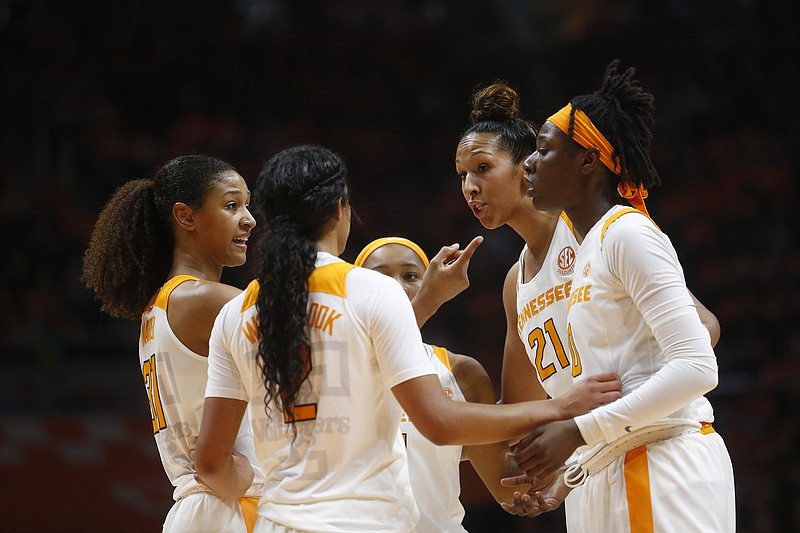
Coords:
435,469
345,470
630,313
609,332
542,310
175,380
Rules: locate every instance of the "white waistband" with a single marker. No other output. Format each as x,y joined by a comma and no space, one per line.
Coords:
194,489
596,459
253,492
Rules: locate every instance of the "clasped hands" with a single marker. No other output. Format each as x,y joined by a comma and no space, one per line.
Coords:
541,456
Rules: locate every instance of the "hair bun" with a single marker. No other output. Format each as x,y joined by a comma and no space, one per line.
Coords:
497,102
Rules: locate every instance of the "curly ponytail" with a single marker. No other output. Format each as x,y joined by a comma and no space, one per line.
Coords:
130,251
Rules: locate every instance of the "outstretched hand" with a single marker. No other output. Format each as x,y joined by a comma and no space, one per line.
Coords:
446,277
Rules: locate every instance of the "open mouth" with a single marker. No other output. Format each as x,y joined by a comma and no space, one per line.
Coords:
477,207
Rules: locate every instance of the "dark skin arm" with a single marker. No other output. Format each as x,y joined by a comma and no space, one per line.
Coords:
443,421
548,495
227,472
490,461
708,319
541,453
519,380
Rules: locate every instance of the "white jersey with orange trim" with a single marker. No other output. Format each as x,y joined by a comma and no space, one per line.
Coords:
542,310
542,318
631,313
346,469
434,469
175,381
628,292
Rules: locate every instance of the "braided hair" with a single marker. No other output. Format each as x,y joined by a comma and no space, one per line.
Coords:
130,251
496,111
623,112
297,194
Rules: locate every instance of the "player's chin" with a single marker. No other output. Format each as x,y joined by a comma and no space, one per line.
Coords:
490,223
540,205
236,259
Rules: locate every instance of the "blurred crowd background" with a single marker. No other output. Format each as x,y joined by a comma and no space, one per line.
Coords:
98,93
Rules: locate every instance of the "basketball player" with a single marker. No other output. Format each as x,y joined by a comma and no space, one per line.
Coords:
156,255
650,461
490,159
324,351
434,470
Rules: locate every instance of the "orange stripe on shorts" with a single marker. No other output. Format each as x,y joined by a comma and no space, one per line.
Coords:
249,511
637,490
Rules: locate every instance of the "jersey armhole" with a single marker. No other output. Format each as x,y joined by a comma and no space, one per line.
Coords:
443,356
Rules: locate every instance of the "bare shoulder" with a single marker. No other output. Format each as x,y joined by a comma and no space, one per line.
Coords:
472,379
204,296
193,307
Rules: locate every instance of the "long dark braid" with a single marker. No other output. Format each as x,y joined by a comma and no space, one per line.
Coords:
623,112
296,196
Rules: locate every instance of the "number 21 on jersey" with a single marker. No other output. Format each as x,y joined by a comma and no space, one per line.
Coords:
151,385
577,367
537,343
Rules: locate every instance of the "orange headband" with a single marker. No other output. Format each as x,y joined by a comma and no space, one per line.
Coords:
377,243
587,135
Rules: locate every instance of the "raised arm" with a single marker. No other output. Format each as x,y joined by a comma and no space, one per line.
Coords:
446,277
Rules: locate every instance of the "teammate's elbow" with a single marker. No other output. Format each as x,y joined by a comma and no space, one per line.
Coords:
435,430
711,380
